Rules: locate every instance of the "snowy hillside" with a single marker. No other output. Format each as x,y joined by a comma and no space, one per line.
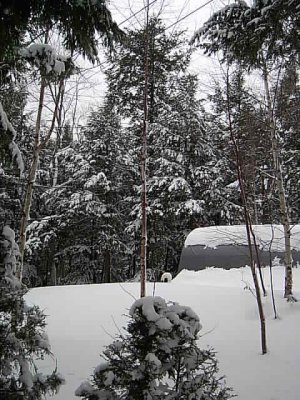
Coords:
82,319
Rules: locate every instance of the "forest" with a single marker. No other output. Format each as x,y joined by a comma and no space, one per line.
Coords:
71,195
83,223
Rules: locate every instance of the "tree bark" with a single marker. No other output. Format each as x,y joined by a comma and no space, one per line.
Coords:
143,164
107,267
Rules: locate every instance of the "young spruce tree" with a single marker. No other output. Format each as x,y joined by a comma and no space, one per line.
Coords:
157,358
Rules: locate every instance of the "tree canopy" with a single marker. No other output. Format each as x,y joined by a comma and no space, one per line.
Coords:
79,22
241,31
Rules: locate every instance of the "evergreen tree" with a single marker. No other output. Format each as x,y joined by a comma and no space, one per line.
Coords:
157,358
287,104
177,144
242,31
79,23
94,177
234,107
23,340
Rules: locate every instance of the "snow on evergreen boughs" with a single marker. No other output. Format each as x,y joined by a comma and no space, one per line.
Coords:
241,31
15,151
22,334
44,57
157,358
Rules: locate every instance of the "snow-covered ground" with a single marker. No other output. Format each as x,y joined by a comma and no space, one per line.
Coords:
83,319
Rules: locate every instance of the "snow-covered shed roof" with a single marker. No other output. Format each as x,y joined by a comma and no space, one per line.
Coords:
266,236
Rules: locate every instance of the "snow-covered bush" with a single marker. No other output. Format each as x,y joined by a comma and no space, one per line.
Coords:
22,333
157,358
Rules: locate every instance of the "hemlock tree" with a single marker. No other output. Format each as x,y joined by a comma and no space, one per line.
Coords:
177,145
23,340
248,123
93,180
80,24
157,358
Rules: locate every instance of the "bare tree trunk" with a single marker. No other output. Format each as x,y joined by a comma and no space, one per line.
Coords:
271,275
248,224
37,147
58,133
143,164
284,214
31,180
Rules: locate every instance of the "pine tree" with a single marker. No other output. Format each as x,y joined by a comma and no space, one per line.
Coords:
157,358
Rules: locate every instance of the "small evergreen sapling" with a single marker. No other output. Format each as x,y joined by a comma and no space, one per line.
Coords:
22,335
157,358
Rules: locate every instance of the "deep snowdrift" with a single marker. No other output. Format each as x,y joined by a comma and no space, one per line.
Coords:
82,319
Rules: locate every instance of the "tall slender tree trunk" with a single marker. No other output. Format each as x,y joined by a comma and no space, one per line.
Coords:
31,180
284,214
107,266
37,147
143,163
249,230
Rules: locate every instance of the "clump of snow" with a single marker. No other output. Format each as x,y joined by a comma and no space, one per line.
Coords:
152,359
6,125
84,389
166,316
15,151
44,55
10,259
25,375
151,307
178,184
16,155
97,180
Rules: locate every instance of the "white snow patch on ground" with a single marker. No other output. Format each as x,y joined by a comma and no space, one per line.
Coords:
82,318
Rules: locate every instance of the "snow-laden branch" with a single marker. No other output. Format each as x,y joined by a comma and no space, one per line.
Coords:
13,147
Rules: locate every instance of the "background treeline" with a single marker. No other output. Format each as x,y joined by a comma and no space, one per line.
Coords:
84,224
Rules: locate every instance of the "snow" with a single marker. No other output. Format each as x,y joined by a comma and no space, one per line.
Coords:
151,358
43,54
83,319
166,277
266,235
26,376
15,151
